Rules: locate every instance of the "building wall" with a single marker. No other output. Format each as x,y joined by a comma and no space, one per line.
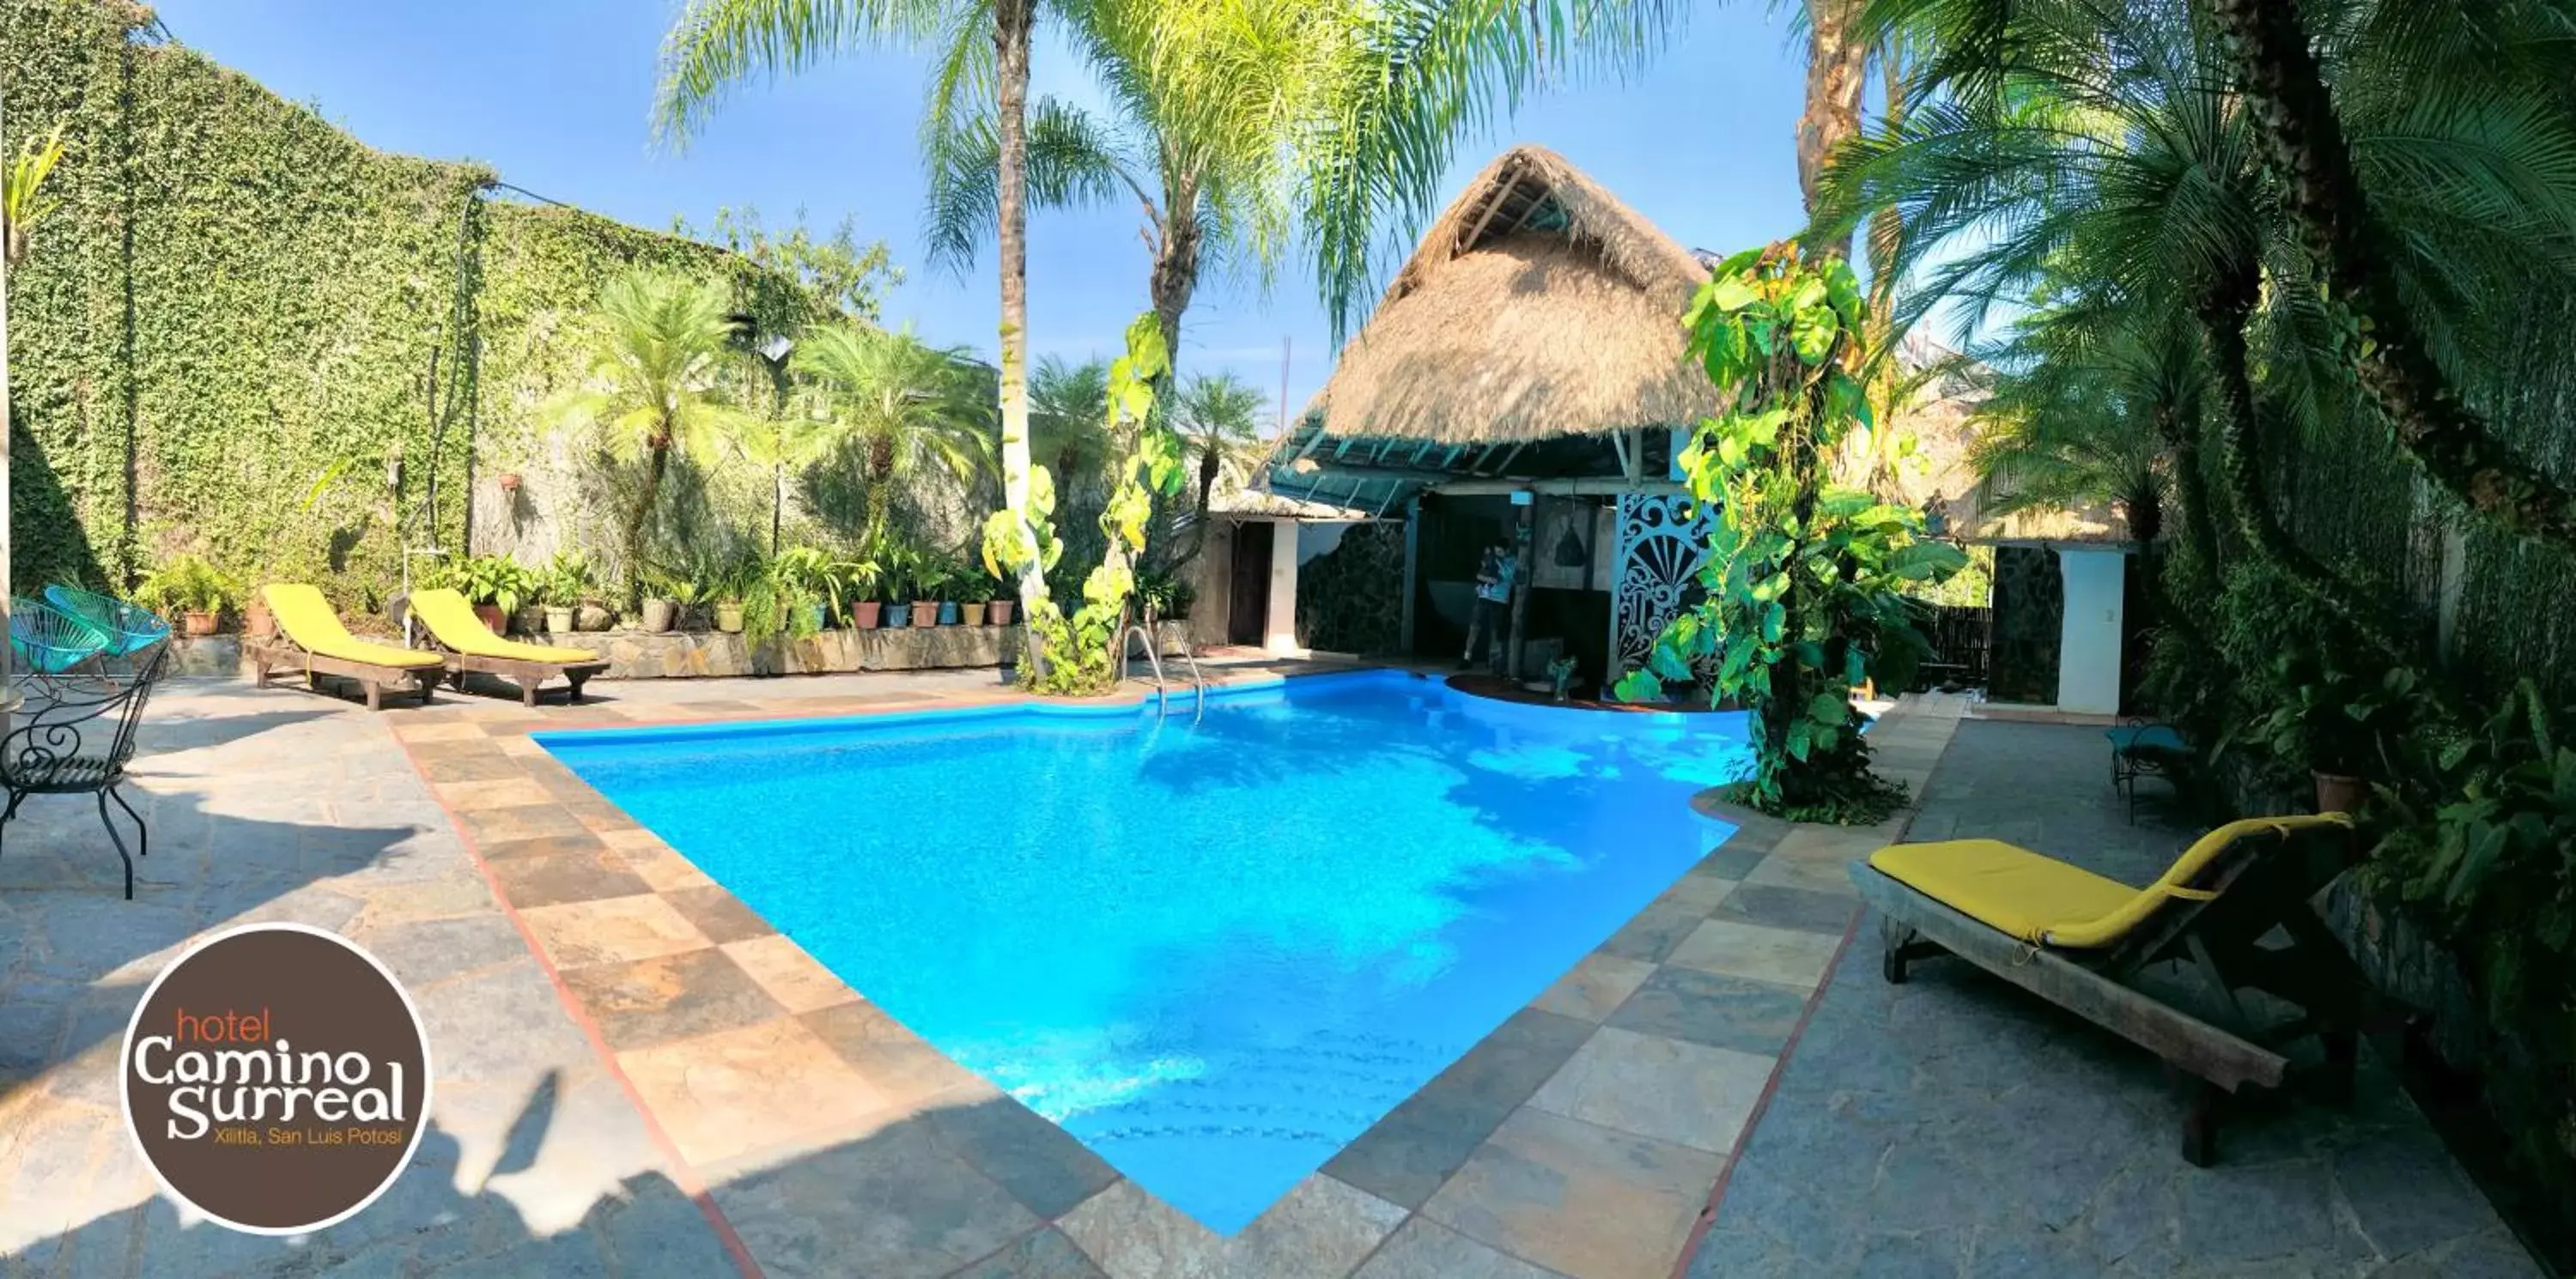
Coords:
2088,668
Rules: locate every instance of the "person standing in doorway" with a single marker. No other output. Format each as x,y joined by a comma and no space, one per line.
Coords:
1485,631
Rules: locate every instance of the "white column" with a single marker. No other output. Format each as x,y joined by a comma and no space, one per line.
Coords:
2088,648
1279,633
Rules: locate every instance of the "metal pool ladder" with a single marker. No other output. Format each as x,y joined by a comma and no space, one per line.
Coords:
1154,660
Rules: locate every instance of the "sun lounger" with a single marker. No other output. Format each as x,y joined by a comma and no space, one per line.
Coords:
310,638
2081,941
466,644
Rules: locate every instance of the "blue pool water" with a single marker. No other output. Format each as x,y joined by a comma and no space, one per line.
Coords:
1214,952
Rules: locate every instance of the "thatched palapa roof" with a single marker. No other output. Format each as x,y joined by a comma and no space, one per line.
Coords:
1537,306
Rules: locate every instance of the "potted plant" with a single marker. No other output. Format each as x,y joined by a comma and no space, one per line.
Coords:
861,578
257,621
809,585
997,609
2335,726
661,608
929,581
688,603
561,585
189,589
493,584
897,568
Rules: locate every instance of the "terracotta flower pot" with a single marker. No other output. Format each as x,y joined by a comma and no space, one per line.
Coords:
194,622
509,481
492,617
925,612
998,612
2337,793
257,620
863,614
729,617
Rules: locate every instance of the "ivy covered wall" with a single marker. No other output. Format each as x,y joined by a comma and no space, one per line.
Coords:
247,334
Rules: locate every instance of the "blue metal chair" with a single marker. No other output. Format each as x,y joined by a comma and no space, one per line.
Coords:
129,629
49,641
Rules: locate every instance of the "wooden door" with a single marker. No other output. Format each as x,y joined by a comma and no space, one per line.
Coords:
1248,604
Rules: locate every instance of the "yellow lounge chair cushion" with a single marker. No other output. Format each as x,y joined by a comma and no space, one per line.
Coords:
308,619
2040,899
451,618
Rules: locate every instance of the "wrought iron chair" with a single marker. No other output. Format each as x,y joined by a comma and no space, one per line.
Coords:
129,629
73,729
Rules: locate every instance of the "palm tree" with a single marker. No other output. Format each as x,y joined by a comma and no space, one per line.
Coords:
901,403
1218,419
1343,115
654,355
717,43
2344,236
2071,149
2425,200
1068,432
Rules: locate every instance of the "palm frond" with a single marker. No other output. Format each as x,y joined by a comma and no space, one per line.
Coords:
717,44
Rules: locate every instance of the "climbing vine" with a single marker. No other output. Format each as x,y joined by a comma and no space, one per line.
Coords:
249,336
1803,577
1080,651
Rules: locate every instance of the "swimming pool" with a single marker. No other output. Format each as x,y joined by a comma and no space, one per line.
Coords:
1214,952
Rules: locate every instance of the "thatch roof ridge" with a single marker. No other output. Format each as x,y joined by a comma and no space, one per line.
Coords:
1538,305
1638,248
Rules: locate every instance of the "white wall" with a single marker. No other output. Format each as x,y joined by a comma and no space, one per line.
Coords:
1279,632
2088,653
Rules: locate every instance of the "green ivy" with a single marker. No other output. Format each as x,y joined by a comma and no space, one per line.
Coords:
247,335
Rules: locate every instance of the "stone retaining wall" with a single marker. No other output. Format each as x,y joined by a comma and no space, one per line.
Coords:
696,654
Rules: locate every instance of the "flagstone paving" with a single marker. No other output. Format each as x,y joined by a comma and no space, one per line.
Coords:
636,1075
1956,1126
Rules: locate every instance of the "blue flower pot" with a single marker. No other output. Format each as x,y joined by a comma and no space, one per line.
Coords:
947,614
897,615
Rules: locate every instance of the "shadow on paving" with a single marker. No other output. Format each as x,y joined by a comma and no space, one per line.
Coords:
1957,1125
902,1200
69,941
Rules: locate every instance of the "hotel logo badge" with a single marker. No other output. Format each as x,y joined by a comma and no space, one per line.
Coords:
276,1078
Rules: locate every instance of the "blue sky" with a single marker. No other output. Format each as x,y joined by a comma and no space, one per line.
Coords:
556,95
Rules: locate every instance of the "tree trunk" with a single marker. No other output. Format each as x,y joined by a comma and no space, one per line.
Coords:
1176,261
2191,485
1837,71
2224,307
2286,95
1011,22
659,462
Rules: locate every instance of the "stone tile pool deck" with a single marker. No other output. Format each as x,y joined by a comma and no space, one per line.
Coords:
637,1076
1957,1126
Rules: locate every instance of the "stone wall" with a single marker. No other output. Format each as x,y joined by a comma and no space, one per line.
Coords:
704,654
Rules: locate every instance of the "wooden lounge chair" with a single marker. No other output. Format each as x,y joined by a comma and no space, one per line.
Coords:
466,644
2081,941
310,638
